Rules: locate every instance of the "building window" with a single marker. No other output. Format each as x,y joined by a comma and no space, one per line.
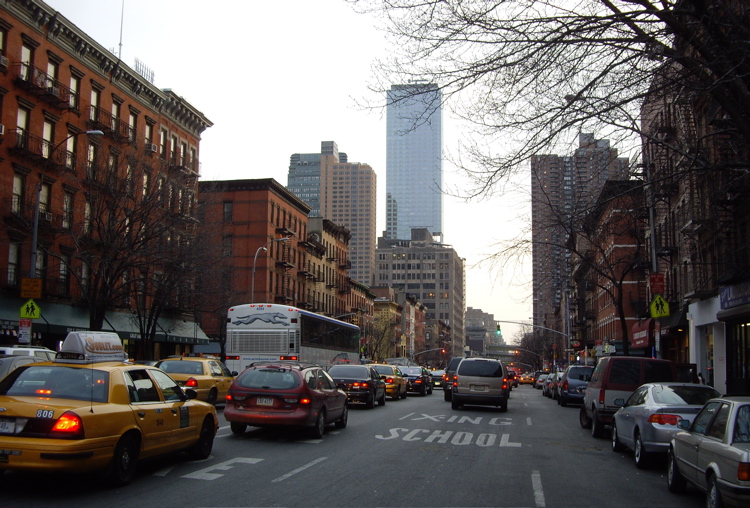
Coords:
14,251
226,246
67,218
75,88
44,197
163,143
228,211
145,184
115,116
132,126
94,108
17,202
87,219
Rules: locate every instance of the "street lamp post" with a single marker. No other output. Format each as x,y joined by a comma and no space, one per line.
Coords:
255,260
35,228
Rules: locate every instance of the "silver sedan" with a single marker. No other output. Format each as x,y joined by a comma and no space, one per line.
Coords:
713,453
647,421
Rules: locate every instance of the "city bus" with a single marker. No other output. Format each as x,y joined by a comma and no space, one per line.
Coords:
268,332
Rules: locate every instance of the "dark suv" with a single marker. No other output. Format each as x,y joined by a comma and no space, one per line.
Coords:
360,382
573,384
283,394
450,372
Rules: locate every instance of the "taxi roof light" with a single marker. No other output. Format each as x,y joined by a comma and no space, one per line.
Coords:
91,347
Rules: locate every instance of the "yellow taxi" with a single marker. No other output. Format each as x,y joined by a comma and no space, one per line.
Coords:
395,382
205,374
91,411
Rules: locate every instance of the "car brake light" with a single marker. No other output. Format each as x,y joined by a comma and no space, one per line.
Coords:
304,400
743,471
233,357
417,380
389,380
601,396
565,385
68,425
191,383
663,419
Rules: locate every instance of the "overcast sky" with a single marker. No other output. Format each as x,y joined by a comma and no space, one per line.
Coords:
277,78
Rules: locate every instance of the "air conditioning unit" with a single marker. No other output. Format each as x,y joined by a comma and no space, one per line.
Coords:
2,130
53,90
47,216
151,147
4,62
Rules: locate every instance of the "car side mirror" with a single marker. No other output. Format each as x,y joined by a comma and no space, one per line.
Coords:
190,393
619,402
683,424
234,373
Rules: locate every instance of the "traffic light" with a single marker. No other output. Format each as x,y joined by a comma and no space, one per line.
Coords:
498,330
442,351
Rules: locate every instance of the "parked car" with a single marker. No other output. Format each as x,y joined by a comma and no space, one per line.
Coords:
480,381
512,378
361,383
617,377
437,378
713,453
37,351
395,383
647,420
89,411
448,377
285,394
418,380
540,379
9,363
205,374
573,384
549,382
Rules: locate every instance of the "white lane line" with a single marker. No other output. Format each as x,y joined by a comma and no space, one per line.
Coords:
298,470
528,420
536,482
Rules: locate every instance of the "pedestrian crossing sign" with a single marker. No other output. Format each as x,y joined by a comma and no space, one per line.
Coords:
659,307
30,310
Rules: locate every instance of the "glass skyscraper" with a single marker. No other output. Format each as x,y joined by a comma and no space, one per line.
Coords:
414,163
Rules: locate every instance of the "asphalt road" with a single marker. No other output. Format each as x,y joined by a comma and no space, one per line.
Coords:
416,452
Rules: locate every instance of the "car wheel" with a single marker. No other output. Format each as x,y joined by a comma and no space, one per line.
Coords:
122,469
212,396
423,392
583,418
370,402
641,455
455,404
563,401
202,449
238,428
320,425
381,400
341,422
447,396
713,496
504,406
403,395
676,483
617,446
597,427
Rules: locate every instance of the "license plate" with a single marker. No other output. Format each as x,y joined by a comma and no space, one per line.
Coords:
479,388
264,401
7,426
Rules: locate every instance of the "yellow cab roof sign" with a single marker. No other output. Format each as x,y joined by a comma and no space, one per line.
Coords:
91,347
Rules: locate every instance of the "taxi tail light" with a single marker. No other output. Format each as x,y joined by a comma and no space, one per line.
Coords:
191,383
68,426
743,471
389,380
663,419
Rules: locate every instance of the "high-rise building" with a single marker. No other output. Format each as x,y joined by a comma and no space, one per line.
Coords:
434,273
414,167
563,187
344,193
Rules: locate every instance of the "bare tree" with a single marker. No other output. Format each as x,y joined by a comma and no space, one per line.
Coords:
528,74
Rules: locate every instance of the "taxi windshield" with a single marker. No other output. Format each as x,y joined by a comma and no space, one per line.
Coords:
57,382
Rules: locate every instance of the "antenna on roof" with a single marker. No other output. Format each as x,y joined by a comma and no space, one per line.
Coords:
122,17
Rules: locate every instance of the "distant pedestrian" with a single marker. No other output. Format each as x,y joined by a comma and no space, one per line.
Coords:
701,380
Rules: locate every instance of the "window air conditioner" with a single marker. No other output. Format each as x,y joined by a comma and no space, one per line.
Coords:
47,216
4,62
151,147
53,90
2,129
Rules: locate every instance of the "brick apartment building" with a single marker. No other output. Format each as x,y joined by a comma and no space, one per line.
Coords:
96,163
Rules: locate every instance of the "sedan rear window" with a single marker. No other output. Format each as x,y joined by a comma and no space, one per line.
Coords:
348,371
691,395
269,379
181,367
411,371
55,382
481,369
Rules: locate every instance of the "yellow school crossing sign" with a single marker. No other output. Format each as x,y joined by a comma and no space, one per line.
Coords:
30,310
659,307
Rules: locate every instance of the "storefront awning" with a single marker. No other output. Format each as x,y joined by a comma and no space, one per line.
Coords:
181,332
641,334
675,322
